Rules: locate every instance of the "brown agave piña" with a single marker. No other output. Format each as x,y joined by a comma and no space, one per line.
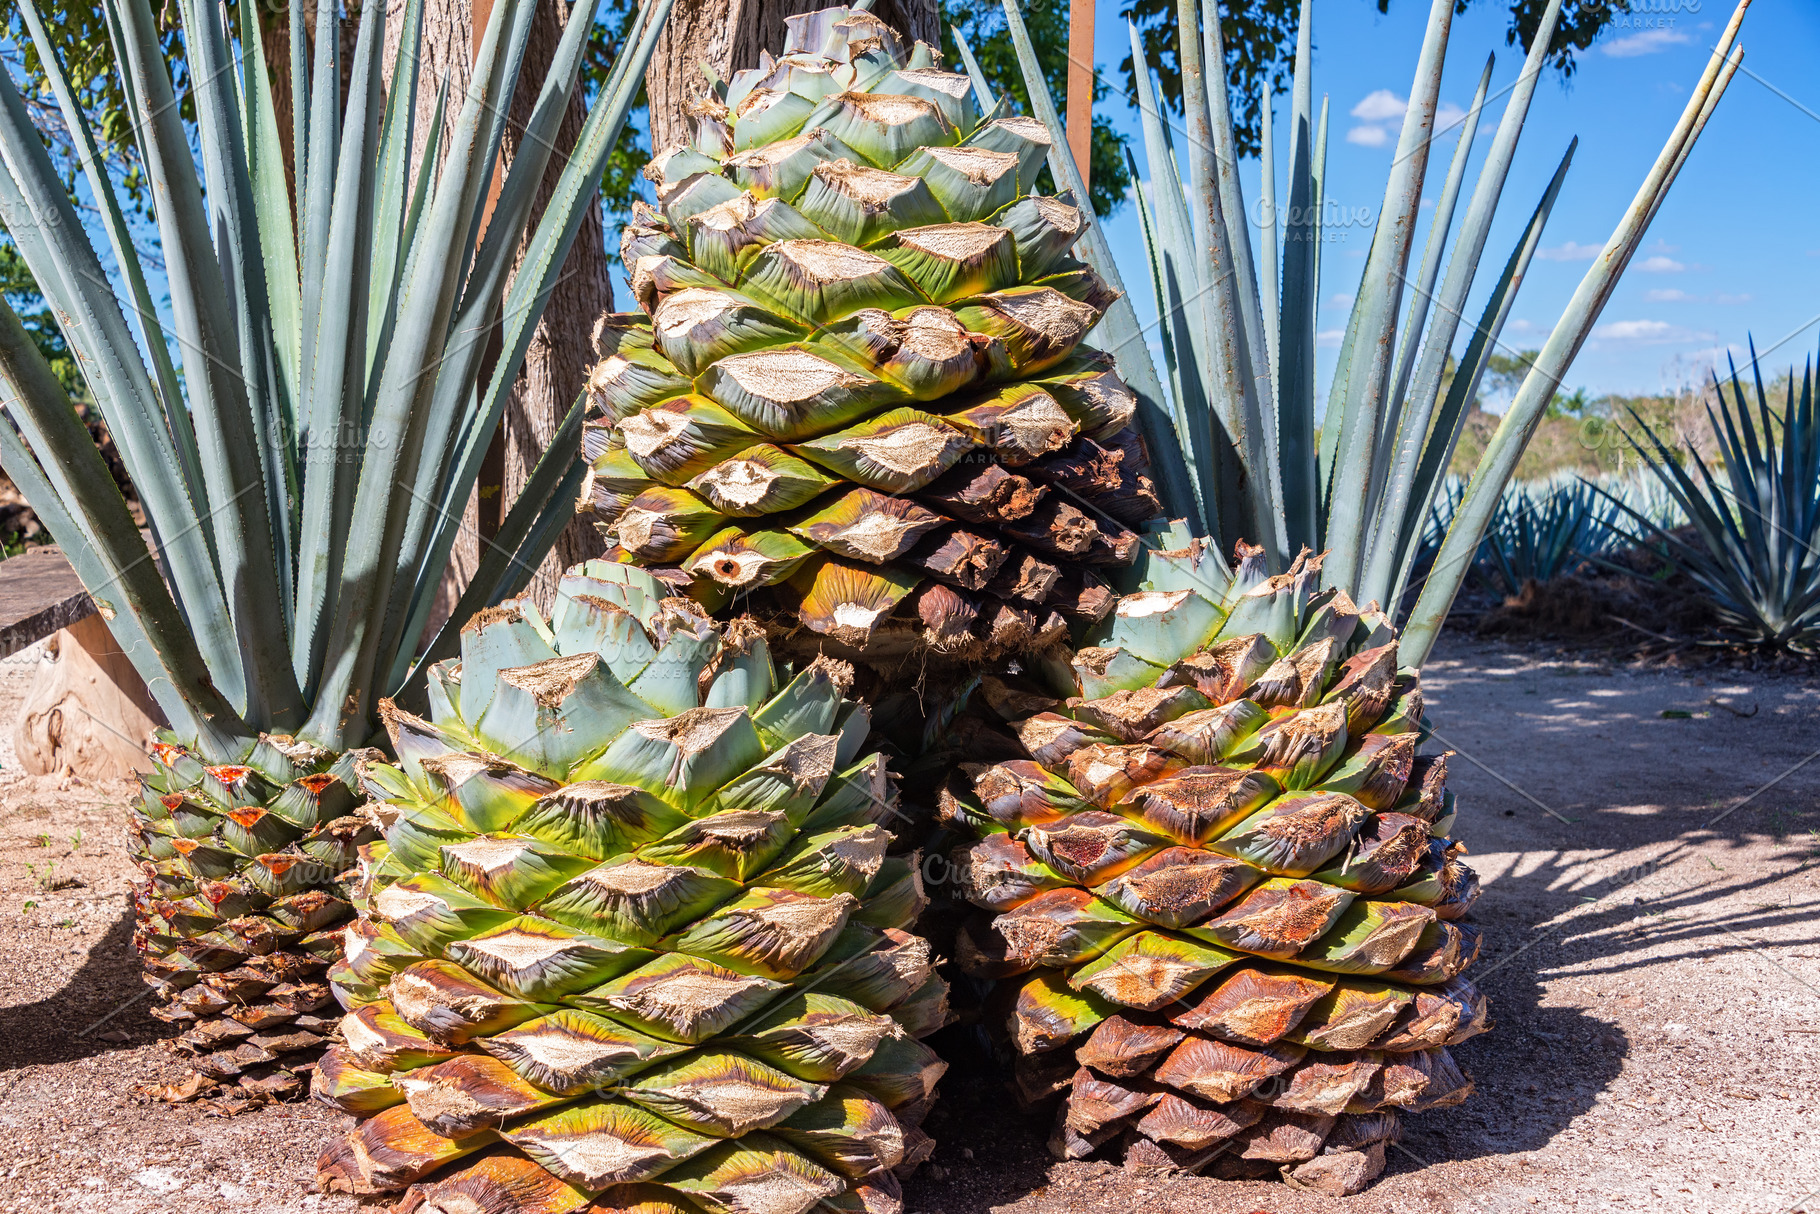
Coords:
1219,892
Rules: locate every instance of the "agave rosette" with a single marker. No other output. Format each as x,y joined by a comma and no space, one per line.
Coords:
858,396
635,921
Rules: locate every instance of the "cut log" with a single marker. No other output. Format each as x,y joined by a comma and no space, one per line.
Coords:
88,712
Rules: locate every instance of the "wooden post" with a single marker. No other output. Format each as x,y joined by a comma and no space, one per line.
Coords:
1080,88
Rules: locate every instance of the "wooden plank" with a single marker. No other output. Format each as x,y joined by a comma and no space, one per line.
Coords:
1080,89
39,594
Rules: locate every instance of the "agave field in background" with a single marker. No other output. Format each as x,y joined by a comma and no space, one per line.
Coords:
1755,548
304,460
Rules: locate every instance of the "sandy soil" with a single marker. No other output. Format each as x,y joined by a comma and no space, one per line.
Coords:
1650,844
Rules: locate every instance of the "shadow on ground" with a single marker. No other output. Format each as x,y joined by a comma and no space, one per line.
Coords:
104,995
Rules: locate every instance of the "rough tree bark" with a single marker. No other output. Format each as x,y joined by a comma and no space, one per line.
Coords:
561,352
729,34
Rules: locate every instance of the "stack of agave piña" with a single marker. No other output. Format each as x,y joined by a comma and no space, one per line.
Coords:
633,939
1220,888
860,403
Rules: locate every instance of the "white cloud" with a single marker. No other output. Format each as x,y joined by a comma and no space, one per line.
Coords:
1644,42
1368,136
1669,295
1380,106
1648,332
1339,300
1660,265
1573,250
1731,299
1330,337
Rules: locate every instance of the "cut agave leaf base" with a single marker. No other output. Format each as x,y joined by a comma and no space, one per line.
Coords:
635,937
1219,892
857,403
238,914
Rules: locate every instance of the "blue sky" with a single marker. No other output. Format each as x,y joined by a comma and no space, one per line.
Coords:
1731,254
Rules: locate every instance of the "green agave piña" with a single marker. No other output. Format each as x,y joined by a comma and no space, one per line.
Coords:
634,937
859,403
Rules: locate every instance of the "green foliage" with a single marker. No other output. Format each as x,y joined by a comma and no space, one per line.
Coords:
1233,439
983,26
622,182
20,290
1538,530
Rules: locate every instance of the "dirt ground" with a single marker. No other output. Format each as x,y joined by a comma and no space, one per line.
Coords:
1650,844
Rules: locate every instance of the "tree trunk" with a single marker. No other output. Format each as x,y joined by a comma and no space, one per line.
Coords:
561,353
728,35
562,350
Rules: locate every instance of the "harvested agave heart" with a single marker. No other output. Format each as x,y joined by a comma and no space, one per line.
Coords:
1062,927
1381,857
1151,970
1179,886
999,873
1298,747
1047,1014
1219,1071
1208,735
1131,716
1351,1016
1195,1124
1223,670
1291,953
1021,793
1443,950
668,953
1106,775
1278,918
1425,793
1326,1083
1091,847
1051,738
1296,834
1376,773
1254,1005
1123,1048
1443,1015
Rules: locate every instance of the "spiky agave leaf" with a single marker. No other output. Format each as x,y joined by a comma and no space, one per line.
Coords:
615,937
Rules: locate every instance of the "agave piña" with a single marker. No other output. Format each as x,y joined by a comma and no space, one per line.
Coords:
634,923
